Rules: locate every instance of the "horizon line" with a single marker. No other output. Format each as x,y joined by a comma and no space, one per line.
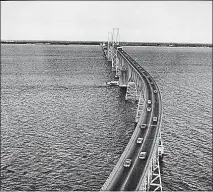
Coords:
100,41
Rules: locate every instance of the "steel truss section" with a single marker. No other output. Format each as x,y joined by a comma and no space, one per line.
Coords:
155,184
152,178
115,43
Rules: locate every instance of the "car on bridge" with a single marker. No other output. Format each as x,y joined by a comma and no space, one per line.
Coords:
149,109
155,119
142,155
139,140
149,101
120,48
127,163
143,126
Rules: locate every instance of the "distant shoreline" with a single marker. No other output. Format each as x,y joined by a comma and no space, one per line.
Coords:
99,42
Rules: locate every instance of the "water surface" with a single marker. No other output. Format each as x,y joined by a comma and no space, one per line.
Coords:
63,129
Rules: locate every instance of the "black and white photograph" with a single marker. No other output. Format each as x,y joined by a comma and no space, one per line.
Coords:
106,96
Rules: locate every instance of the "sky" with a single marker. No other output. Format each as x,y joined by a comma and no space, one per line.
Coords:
138,21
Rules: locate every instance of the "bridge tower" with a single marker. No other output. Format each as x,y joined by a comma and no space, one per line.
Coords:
109,46
140,107
115,43
134,85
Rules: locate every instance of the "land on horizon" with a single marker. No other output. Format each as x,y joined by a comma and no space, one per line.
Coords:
171,44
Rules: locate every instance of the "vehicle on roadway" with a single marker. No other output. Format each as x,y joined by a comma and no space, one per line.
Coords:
155,91
143,126
149,101
139,140
142,155
149,109
120,48
151,83
155,119
127,163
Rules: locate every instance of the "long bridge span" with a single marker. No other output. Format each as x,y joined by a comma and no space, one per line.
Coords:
138,167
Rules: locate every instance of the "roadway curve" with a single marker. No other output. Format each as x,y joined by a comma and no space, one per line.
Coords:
128,178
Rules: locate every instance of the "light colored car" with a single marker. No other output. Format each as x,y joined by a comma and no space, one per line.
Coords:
139,140
143,126
149,101
142,155
149,109
155,119
127,163
151,83
155,91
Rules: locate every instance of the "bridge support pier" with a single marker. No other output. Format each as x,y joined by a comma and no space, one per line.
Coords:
131,92
114,60
152,181
139,108
117,67
123,78
160,148
155,184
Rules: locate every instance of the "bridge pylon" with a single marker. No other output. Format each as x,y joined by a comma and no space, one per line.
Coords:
115,43
132,92
109,46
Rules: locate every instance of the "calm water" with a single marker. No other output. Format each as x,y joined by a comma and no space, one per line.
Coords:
63,129
184,76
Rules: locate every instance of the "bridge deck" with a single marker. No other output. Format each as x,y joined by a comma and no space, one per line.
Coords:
128,178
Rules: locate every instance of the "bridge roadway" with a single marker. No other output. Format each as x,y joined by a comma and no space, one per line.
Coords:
128,178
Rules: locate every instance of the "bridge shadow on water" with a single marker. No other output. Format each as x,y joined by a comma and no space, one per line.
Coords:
122,92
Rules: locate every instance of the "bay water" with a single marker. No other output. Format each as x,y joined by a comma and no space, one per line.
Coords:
62,128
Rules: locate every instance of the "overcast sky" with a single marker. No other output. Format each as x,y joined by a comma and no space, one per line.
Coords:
144,21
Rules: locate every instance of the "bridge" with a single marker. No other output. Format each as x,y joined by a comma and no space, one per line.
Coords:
138,168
